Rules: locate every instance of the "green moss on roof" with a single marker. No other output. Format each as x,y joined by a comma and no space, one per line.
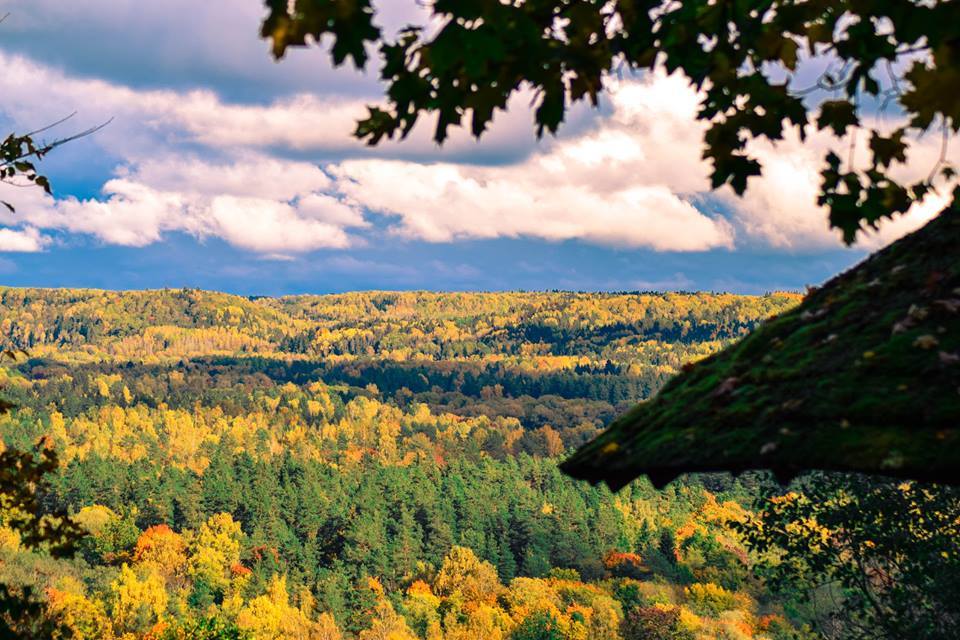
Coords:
863,375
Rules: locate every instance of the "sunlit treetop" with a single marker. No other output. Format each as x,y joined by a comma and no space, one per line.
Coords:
743,55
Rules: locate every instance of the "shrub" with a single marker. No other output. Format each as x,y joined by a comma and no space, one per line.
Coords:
654,623
709,599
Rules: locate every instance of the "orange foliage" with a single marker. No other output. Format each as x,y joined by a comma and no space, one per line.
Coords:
155,538
419,588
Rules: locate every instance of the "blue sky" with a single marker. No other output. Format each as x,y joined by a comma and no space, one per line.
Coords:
224,170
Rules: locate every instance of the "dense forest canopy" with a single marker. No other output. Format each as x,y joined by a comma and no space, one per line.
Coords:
385,465
561,329
373,464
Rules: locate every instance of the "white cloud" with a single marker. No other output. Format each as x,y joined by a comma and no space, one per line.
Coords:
629,183
132,215
35,95
247,174
585,189
27,240
267,226
212,43
145,121
443,202
779,208
188,161
325,208
250,204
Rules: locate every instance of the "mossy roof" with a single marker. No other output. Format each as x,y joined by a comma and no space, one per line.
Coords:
862,376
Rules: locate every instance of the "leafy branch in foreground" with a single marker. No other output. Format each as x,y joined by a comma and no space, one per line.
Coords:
24,476
892,548
23,486
18,153
23,483
743,56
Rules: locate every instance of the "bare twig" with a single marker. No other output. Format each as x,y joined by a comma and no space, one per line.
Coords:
823,84
82,134
892,93
914,49
853,141
894,80
49,126
944,142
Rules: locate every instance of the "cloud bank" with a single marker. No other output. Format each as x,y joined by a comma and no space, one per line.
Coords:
191,161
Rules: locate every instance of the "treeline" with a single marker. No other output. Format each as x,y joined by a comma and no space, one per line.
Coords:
609,383
539,330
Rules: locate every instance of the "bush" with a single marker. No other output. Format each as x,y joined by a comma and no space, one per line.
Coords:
654,623
709,599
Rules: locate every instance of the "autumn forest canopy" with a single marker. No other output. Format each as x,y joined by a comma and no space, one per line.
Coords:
386,463
368,462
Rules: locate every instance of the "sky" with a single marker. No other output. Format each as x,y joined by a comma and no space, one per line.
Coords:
222,169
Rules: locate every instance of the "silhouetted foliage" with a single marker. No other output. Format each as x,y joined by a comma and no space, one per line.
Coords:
892,548
479,53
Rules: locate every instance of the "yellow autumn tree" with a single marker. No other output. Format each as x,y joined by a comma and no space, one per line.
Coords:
162,551
215,551
325,628
94,518
139,603
482,621
592,612
464,575
709,599
529,596
272,617
85,618
387,624
421,607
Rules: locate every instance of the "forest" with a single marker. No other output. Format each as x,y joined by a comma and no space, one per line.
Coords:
374,466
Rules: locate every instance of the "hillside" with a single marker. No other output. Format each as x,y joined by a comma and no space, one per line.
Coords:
371,465
170,324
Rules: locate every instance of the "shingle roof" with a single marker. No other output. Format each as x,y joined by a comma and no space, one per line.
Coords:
863,375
